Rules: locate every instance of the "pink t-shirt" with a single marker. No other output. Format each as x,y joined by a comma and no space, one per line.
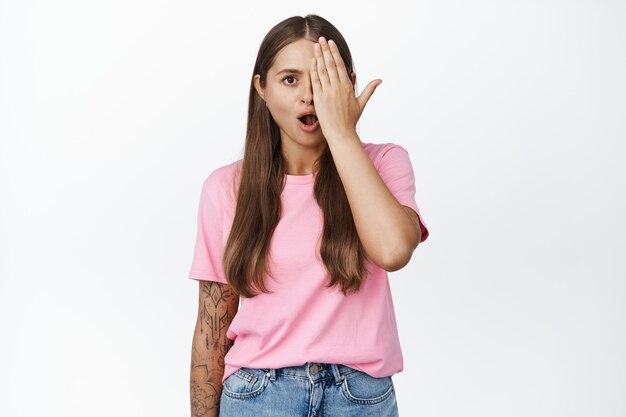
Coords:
302,321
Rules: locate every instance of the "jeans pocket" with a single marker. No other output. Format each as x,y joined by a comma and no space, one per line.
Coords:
245,383
362,388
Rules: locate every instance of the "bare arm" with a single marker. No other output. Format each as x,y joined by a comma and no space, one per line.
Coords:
217,306
388,234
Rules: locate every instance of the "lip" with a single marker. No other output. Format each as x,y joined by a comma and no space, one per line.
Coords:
309,128
306,112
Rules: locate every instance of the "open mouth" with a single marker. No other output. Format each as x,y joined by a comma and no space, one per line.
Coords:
308,119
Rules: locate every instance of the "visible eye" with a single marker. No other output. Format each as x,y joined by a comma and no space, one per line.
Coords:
289,76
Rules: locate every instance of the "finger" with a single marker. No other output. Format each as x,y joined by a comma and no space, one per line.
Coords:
367,93
315,79
342,71
321,67
329,60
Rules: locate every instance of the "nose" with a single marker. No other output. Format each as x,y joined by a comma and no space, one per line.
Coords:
307,98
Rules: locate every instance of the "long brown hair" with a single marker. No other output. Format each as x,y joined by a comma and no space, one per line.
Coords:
263,178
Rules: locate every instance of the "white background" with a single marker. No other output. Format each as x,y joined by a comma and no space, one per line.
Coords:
112,113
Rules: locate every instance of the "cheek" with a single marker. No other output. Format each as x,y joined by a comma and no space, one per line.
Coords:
280,109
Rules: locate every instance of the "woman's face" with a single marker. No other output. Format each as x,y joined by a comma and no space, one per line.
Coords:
288,93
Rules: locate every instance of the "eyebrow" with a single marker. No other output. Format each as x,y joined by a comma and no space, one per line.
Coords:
290,71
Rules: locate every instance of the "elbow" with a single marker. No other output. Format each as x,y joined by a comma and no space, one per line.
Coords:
400,257
397,260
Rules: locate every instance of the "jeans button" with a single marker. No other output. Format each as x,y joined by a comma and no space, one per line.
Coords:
313,369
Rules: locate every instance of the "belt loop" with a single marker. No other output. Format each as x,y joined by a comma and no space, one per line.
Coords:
336,373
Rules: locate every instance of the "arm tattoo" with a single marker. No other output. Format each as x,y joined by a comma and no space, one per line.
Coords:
218,305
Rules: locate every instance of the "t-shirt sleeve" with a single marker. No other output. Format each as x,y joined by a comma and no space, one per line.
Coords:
208,252
396,170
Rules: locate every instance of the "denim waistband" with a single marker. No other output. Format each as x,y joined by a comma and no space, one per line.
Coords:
313,371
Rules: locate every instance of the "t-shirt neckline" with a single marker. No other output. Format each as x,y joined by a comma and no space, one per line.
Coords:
300,179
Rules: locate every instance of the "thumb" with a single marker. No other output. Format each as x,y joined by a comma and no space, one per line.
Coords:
367,93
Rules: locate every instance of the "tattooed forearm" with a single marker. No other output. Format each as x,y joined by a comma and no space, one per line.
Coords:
204,402
217,306
216,312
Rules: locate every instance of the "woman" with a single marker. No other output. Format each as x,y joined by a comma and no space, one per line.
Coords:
302,230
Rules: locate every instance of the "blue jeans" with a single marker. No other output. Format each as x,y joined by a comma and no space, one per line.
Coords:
314,389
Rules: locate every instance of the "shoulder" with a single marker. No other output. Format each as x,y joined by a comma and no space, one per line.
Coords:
378,152
221,180
224,172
